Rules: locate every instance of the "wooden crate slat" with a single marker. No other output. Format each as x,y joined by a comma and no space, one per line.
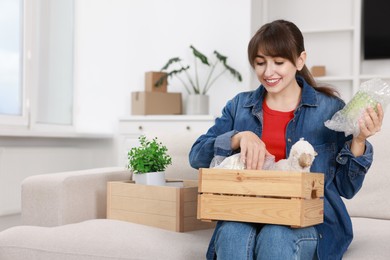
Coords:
312,212
261,183
272,197
159,221
250,209
168,207
295,212
190,194
192,223
190,209
143,191
131,204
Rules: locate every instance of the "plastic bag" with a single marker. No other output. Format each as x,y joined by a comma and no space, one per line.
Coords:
234,162
370,93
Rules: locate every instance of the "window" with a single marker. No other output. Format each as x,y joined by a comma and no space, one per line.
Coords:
55,62
11,51
36,62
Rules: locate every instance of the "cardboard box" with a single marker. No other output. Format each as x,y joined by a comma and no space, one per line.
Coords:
156,103
273,197
151,77
171,207
318,71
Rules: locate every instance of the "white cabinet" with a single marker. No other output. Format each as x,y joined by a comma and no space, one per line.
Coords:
165,128
332,32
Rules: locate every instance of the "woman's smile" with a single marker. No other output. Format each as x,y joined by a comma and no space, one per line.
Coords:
272,82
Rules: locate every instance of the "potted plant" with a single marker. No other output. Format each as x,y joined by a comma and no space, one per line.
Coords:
149,161
197,89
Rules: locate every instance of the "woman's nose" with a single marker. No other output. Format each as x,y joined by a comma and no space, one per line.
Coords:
269,70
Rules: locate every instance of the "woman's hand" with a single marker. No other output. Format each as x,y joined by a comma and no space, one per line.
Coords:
253,150
370,123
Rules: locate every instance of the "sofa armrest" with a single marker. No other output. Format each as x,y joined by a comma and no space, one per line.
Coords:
67,197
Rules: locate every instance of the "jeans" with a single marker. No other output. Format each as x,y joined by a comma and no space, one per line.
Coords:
238,240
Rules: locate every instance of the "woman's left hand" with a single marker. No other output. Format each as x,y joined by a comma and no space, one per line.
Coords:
370,124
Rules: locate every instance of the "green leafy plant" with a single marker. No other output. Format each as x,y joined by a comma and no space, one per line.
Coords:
150,156
191,81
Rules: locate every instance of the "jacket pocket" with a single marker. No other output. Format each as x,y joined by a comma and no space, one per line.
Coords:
325,161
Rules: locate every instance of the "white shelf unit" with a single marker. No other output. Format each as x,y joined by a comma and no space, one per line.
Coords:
332,32
161,126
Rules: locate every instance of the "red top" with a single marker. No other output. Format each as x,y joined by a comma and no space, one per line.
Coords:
274,131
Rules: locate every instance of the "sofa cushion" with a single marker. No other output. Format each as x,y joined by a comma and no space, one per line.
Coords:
372,200
67,197
371,239
112,239
101,239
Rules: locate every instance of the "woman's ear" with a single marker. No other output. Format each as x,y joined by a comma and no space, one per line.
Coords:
301,61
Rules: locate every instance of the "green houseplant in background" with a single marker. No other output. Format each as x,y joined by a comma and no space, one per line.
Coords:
149,161
197,88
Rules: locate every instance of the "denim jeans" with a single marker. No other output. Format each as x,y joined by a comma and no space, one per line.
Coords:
238,240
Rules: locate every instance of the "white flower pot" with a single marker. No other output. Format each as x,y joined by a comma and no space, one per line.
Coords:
197,105
150,178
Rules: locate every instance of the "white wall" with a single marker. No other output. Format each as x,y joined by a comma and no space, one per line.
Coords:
117,41
21,157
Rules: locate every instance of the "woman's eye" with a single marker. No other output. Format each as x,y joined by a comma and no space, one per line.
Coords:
279,62
260,63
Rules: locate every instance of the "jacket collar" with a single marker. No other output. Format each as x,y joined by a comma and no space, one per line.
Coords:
309,96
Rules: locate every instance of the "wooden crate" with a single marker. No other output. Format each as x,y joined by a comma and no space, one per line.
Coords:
171,207
273,197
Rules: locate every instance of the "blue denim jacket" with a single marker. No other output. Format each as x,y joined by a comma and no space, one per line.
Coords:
344,173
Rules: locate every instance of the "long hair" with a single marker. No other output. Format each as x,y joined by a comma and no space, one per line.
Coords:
282,38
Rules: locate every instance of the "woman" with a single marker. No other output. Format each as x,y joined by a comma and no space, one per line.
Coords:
287,106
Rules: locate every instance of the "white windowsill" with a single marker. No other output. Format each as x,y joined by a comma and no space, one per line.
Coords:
24,132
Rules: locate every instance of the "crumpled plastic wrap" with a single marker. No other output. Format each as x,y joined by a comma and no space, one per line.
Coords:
233,162
370,93
300,159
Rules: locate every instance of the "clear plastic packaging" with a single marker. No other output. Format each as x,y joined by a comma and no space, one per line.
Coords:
370,93
234,162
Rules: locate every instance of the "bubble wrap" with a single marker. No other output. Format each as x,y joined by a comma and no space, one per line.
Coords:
370,93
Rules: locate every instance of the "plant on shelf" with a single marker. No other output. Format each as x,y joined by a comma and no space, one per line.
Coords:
191,81
151,157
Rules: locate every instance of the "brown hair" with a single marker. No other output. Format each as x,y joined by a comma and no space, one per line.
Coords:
282,38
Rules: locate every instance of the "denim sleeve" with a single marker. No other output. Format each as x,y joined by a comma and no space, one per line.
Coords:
352,170
217,140
222,145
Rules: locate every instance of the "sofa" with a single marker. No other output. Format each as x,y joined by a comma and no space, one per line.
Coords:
63,217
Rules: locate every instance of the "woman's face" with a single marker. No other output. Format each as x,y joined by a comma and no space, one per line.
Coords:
277,74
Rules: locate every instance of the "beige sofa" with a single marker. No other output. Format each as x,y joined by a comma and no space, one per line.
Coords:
64,214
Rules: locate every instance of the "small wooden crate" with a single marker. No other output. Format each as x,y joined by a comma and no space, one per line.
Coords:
272,197
171,207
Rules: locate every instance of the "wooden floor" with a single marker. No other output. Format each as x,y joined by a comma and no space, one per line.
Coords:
9,221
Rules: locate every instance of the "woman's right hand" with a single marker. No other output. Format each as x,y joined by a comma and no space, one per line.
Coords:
253,150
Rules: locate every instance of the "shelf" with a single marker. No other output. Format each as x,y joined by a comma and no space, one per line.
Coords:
371,76
28,133
330,30
334,78
167,118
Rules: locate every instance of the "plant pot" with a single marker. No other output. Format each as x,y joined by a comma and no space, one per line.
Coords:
197,104
150,178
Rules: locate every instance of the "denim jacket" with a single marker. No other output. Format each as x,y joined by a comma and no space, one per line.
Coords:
344,173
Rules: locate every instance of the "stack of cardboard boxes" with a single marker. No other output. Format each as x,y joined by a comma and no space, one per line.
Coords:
155,100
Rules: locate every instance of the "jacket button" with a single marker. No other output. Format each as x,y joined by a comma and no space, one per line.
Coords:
289,140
